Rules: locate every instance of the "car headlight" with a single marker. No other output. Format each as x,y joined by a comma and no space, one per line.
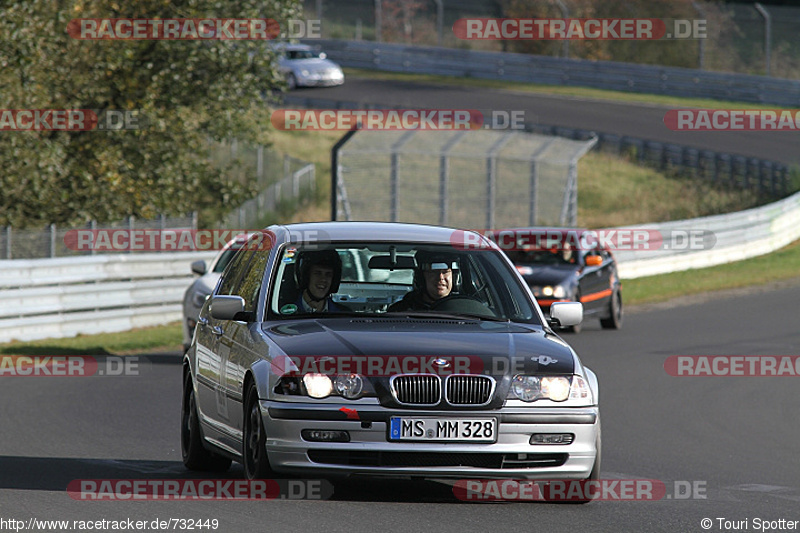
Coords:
318,385
555,388
556,291
349,385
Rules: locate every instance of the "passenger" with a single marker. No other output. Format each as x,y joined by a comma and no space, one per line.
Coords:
320,273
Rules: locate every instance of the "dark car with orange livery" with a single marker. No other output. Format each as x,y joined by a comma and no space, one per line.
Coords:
573,273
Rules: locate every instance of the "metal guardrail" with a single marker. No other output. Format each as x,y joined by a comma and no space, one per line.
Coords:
41,298
63,297
628,77
735,236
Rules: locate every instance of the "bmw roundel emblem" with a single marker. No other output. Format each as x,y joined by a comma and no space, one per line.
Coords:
441,362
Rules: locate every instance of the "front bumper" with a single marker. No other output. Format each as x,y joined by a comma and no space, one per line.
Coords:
369,451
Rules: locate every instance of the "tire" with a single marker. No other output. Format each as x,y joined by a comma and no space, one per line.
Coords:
254,451
614,320
291,82
195,456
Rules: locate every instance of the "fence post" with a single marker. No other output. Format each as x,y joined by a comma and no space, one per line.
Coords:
378,22
93,227
8,242
767,34
131,224
260,166
52,240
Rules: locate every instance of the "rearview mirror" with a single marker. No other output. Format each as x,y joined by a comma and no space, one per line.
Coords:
566,314
384,262
199,267
594,260
226,307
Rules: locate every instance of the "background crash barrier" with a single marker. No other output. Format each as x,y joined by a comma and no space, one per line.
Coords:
62,297
762,175
491,178
66,296
615,76
731,237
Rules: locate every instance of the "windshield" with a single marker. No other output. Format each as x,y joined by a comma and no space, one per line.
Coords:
544,257
301,54
393,279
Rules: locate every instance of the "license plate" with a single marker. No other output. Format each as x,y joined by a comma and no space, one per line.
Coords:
443,429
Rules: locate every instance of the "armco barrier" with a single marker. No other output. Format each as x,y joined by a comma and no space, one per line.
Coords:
738,236
609,75
44,298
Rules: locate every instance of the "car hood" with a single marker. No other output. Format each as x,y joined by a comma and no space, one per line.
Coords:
549,274
314,64
496,347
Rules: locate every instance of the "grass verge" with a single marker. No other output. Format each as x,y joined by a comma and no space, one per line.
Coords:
155,339
780,265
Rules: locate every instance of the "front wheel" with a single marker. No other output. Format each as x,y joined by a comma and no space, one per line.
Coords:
195,456
256,463
291,82
614,320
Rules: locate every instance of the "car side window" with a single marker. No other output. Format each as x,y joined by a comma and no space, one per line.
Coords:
234,272
250,287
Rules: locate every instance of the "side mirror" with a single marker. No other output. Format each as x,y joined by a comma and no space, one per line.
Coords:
594,260
565,314
199,267
226,307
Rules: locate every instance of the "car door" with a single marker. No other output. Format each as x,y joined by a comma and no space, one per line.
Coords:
213,351
240,346
594,281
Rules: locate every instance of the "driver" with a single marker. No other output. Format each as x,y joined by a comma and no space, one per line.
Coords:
320,275
433,281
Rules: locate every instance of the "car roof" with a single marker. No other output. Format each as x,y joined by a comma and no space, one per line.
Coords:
291,47
368,232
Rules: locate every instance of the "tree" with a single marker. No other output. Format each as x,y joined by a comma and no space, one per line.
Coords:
184,92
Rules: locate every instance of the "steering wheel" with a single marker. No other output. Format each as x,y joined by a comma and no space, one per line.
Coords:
463,304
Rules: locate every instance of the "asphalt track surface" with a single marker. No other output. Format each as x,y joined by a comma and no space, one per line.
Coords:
737,437
644,121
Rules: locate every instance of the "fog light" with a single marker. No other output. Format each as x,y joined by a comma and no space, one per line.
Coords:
325,435
552,438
